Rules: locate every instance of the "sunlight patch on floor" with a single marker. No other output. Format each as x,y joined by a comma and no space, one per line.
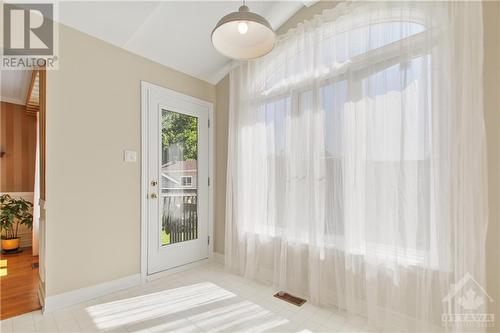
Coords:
3,267
241,316
156,305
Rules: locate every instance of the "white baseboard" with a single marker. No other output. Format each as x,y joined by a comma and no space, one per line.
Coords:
56,302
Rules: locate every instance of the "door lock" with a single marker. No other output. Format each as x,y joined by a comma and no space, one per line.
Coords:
154,183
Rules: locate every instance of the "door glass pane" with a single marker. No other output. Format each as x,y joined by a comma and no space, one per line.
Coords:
179,217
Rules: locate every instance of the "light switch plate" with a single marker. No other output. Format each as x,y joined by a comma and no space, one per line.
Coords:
130,156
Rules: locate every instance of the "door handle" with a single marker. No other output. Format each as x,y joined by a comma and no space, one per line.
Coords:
153,196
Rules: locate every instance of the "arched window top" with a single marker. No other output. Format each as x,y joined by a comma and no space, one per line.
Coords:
340,47
352,15
344,39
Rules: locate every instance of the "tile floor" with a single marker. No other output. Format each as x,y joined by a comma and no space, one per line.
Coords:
202,299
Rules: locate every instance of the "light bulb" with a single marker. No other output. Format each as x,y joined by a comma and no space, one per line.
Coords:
243,28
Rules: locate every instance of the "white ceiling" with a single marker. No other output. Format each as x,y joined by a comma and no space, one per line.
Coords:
14,85
173,33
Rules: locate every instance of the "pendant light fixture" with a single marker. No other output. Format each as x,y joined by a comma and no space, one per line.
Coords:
243,35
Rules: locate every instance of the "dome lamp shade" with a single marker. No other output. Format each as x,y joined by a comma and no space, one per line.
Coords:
243,35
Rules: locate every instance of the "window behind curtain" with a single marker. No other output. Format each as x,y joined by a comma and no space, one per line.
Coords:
361,67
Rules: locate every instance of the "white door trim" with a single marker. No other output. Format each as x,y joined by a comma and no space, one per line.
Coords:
145,86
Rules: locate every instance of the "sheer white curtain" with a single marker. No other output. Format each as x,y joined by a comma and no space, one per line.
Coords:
356,167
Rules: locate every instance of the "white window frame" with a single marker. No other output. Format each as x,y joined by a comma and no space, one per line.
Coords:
358,67
185,178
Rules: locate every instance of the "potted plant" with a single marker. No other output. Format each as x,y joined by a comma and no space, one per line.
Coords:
13,212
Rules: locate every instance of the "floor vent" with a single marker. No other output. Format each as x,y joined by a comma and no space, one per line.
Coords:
290,298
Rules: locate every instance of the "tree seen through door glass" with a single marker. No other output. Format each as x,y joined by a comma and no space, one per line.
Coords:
179,218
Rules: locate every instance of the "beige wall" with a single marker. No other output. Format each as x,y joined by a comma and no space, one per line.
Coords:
93,197
492,117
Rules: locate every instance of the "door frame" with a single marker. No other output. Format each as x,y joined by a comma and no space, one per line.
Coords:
145,86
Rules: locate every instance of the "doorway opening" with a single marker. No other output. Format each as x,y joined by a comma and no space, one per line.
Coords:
176,171
22,191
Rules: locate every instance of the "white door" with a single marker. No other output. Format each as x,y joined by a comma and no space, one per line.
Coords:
177,175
